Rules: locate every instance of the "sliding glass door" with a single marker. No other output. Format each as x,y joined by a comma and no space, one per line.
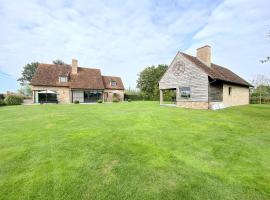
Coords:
92,96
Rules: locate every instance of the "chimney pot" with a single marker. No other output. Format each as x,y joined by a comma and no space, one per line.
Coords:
204,55
74,66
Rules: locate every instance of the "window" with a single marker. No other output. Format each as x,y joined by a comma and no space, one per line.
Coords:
230,91
113,83
185,92
62,79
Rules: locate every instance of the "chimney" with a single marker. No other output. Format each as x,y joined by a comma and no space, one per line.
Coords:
204,55
74,66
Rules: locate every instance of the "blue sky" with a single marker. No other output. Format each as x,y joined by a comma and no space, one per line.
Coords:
123,37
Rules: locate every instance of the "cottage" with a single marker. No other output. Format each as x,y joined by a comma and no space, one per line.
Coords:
66,84
198,83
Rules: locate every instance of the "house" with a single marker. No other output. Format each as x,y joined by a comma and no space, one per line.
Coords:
198,83
67,84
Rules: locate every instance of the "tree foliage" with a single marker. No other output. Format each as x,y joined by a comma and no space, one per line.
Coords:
58,62
28,73
148,81
25,90
261,92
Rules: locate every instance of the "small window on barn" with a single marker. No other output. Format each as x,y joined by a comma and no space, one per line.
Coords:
62,79
113,83
185,92
230,91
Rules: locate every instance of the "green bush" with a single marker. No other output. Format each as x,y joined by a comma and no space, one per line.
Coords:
76,102
115,100
13,100
2,102
99,101
129,100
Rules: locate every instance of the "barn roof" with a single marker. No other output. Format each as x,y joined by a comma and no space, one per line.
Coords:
218,72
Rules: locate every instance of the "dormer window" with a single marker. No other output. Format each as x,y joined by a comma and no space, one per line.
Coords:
113,83
62,79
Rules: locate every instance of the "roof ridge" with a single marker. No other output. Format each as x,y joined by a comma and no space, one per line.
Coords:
217,71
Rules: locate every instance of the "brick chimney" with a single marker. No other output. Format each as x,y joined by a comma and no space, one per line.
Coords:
204,55
74,66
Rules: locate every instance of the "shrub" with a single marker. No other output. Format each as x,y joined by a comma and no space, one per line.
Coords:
115,100
13,100
2,102
99,101
129,100
76,102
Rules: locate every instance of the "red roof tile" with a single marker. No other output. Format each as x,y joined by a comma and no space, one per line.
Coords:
107,82
48,75
218,72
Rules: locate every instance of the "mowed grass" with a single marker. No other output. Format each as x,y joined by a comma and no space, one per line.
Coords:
136,150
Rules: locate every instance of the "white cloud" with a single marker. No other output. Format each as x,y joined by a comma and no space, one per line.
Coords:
237,31
122,37
119,37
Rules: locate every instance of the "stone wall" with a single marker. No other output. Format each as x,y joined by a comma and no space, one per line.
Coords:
192,104
239,95
109,97
63,93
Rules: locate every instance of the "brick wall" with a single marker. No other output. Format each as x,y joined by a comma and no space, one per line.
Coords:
239,95
192,104
63,93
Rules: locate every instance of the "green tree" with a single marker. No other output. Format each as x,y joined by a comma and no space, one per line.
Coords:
25,90
262,86
28,73
148,81
58,62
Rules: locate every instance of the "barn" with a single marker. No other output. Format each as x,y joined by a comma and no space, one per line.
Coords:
199,83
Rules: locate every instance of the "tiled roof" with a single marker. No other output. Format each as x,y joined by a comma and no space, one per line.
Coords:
107,82
218,72
86,78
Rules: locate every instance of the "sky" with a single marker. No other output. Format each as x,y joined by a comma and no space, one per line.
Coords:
123,37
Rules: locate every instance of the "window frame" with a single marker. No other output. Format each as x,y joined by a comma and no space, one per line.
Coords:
185,90
63,79
115,83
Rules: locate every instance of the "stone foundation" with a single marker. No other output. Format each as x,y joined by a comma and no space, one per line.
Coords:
192,104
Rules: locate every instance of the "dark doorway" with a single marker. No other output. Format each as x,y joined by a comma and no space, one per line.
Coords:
47,98
92,96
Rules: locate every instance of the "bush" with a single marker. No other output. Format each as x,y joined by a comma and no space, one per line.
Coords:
13,100
76,102
99,101
2,102
115,100
129,100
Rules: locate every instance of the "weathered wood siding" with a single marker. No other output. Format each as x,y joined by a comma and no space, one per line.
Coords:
192,77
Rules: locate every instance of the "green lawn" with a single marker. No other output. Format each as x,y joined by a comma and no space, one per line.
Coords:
136,150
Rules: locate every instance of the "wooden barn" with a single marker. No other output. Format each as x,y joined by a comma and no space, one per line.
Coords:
198,83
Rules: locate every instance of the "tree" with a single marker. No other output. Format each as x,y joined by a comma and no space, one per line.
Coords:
58,62
25,90
148,81
28,73
261,83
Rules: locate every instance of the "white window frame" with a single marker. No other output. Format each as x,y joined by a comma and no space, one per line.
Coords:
62,79
115,83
